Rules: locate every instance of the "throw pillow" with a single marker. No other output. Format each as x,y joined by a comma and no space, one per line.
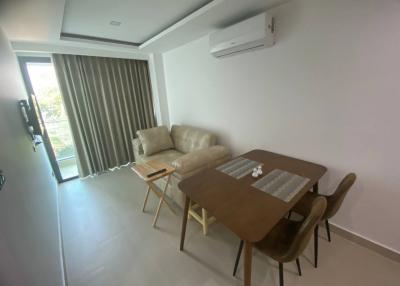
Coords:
155,140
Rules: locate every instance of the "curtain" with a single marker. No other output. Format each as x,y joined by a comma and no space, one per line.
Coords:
107,100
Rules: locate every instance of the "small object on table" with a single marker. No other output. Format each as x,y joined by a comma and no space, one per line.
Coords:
156,173
259,170
255,173
150,172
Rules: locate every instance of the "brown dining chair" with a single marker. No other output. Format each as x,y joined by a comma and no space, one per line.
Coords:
334,202
288,239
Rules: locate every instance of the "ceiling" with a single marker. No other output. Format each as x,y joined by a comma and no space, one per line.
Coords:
145,26
138,20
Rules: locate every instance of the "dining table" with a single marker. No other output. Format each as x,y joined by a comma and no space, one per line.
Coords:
250,206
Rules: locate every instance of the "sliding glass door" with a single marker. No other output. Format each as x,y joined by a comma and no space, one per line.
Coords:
42,87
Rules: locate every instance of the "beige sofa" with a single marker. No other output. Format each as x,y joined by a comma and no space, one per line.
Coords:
188,149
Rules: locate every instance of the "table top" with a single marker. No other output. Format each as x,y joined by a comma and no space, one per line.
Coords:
245,210
142,170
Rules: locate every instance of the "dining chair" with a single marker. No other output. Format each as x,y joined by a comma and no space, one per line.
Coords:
288,239
334,202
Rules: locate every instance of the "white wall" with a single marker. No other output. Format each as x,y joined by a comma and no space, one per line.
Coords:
156,67
328,92
29,238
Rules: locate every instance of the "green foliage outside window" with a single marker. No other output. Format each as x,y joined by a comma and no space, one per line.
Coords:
52,109
56,122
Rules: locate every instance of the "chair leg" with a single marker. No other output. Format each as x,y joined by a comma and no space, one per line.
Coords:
280,274
316,247
238,257
298,266
328,231
190,208
205,221
289,214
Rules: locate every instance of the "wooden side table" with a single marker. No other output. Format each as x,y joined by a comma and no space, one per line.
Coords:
142,170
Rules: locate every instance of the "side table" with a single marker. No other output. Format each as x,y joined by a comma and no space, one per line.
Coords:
143,170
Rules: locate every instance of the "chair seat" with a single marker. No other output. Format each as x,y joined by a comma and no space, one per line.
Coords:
277,243
303,206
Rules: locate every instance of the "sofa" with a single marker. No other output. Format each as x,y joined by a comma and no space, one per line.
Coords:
189,150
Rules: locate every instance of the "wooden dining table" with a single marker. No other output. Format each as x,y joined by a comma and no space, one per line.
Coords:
247,211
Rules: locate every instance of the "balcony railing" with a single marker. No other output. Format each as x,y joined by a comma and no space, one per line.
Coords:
61,139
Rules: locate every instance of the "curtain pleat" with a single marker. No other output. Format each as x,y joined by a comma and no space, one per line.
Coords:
107,100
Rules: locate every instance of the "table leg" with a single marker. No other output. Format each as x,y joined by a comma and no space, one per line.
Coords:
190,208
184,222
145,198
315,188
158,193
248,255
316,246
161,201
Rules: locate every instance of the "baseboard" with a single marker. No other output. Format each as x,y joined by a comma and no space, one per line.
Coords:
365,242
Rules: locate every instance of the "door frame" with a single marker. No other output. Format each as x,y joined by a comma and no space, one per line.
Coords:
23,61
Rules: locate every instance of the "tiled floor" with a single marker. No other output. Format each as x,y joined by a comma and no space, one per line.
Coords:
109,241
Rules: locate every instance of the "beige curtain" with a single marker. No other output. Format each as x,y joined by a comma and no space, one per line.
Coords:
106,100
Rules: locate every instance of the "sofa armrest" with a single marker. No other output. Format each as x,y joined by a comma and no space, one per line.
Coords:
137,148
195,161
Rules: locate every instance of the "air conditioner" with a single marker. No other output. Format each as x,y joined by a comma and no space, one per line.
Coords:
251,34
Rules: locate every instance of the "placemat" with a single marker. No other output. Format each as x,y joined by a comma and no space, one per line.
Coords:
239,167
281,184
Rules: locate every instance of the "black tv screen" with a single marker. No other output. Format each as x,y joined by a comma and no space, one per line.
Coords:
30,113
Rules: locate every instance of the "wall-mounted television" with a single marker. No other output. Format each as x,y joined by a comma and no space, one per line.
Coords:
30,115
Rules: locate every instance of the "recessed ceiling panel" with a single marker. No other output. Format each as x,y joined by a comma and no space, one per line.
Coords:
133,21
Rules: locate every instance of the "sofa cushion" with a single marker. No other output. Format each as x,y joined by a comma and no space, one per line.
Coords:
155,140
188,139
193,162
167,156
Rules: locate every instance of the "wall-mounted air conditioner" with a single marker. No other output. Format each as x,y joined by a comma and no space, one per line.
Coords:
251,34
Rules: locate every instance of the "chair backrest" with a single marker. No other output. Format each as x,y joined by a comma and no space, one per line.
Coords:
188,139
305,231
336,199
